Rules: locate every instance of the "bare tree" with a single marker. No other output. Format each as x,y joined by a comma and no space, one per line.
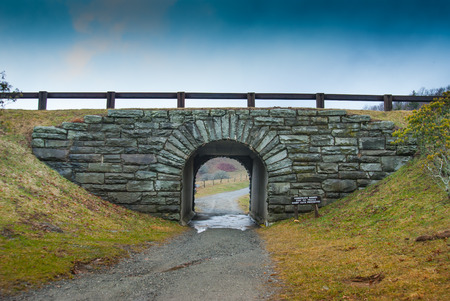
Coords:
7,94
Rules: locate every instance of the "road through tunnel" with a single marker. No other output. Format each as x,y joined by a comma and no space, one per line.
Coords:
234,150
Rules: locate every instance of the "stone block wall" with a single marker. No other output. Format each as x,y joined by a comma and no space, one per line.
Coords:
135,158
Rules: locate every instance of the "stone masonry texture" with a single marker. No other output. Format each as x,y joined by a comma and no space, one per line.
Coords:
135,158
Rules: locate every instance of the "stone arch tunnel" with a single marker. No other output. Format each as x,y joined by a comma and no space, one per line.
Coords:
145,159
235,150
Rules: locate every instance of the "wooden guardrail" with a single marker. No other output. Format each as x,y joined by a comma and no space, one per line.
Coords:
251,97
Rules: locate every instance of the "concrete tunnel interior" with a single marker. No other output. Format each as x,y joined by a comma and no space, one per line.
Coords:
234,150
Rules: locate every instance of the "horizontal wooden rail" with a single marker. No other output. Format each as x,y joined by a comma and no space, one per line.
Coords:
251,97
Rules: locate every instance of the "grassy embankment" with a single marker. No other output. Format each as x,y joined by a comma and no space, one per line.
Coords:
363,247
49,227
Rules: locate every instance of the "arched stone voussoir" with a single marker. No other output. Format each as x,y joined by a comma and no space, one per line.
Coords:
192,130
257,134
184,134
184,139
200,132
181,153
266,139
243,129
225,128
178,144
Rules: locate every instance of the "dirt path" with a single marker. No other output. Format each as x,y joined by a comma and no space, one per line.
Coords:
222,203
216,264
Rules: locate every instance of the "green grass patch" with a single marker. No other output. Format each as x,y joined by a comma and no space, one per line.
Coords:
367,237
49,227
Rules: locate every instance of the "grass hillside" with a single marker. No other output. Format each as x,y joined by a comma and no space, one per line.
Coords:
52,229
49,227
364,246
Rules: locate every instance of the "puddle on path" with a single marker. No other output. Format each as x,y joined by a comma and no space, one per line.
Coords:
227,221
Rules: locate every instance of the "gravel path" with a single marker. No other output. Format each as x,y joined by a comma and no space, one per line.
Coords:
222,203
216,264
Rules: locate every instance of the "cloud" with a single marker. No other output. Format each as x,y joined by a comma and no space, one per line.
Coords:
81,54
118,17
104,25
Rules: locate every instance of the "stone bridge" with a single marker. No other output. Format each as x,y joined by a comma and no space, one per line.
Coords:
146,160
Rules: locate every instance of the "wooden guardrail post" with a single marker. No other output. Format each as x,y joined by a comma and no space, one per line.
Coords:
387,102
320,100
251,99
42,104
181,99
110,99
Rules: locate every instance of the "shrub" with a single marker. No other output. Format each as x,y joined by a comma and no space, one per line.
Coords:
430,127
6,92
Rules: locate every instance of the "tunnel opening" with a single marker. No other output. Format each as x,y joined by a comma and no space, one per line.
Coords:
257,174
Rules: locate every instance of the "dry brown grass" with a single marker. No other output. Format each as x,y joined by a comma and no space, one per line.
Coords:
363,247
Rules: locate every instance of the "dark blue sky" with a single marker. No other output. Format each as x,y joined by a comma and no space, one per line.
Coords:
346,46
